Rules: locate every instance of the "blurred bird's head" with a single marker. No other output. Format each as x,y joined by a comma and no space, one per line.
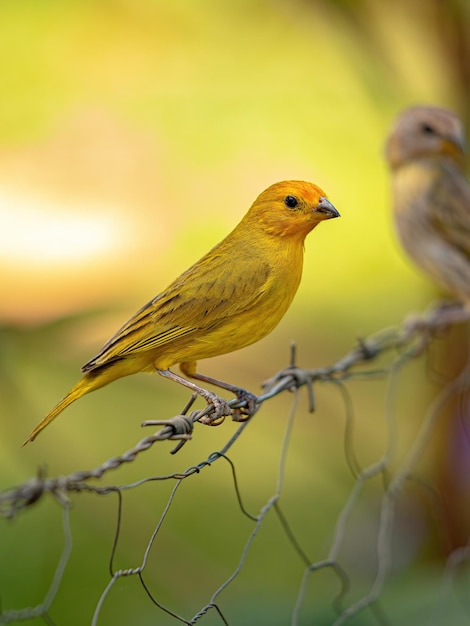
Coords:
422,132
290,208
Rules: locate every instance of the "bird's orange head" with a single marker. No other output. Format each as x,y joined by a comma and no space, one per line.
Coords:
426,132
290,208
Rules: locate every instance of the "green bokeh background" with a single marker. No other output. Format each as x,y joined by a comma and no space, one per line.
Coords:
228,97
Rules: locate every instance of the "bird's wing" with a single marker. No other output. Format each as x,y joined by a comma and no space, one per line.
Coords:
451,200
203,297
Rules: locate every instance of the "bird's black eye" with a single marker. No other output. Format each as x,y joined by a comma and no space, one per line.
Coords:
426,128
291,202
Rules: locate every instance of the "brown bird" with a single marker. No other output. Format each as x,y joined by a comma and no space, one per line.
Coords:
431,194
235,295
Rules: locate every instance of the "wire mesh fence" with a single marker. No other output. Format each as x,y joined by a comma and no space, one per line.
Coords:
391,525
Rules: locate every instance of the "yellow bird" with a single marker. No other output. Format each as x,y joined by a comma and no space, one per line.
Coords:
235,295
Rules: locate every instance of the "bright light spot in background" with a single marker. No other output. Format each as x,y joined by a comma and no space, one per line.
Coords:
60,256
35,231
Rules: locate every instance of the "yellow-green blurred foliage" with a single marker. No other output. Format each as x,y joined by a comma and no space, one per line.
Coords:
134,134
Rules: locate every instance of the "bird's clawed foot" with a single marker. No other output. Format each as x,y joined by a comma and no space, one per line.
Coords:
241,410
246,405
217,409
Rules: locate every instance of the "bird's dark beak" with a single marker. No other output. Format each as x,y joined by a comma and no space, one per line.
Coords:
324,206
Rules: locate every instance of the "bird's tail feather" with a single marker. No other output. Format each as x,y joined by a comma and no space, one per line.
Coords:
92,380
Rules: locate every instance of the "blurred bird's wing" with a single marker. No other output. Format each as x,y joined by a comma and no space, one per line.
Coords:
202,298
451,200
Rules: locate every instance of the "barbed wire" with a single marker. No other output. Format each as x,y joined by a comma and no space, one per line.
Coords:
395,347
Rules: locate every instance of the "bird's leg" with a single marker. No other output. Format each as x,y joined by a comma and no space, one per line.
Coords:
220,405
248,400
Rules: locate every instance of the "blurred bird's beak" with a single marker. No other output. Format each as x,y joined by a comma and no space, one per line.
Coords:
324,206
452,142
